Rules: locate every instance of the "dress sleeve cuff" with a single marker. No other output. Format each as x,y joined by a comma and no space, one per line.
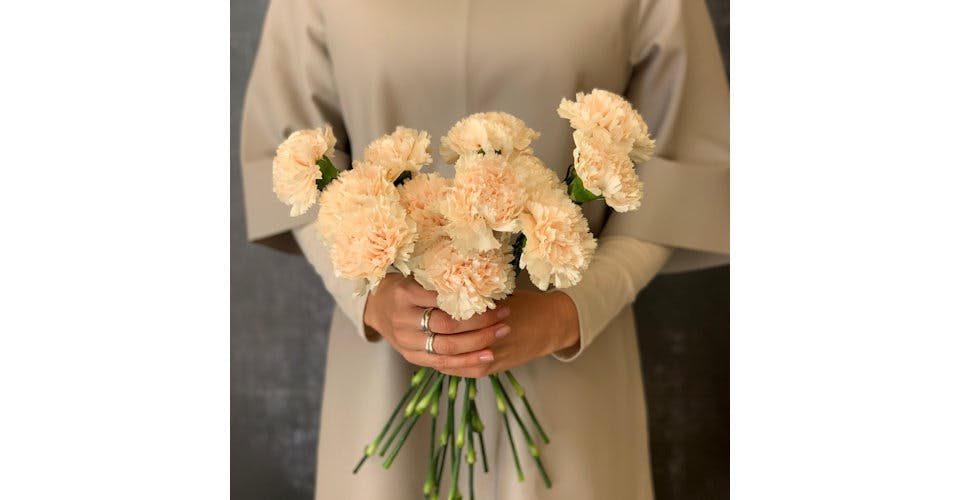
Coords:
621,267
583,319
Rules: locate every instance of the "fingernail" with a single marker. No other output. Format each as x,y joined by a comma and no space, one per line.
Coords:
503,313
503,330
486,357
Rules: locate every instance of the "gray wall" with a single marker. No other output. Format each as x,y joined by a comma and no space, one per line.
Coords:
280,312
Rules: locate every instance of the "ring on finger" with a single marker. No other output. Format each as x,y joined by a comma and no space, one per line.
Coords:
425,320
429,346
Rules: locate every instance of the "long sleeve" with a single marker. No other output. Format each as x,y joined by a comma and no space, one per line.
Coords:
621,267
291,88
679,86
341,290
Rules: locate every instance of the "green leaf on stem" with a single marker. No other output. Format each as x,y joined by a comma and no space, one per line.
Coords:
575,189
328,171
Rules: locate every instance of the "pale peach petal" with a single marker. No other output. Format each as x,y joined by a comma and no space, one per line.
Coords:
466,283
420,196
487,196
403,150
492,133
606,170
559,245
295,170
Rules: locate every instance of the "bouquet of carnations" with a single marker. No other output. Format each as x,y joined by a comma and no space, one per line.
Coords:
465,238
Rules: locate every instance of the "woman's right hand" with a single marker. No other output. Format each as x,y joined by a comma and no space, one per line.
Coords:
394,310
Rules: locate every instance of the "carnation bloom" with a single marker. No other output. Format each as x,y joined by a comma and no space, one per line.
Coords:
403,150
559,245
353,189
490,133
295,170
487,196
538,180
606,171
466,283
372,237
605,111
420,196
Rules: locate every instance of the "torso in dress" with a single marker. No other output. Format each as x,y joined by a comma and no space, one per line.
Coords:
425,64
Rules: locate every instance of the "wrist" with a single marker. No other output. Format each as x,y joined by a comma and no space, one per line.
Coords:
569,337
369,331
372,321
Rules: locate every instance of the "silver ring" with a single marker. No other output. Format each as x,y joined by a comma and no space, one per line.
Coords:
429,348
425,320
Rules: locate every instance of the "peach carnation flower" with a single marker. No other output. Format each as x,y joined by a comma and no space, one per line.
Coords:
376,235
295,170
466,283
353,189
403,150
420,196
487,196
559,245
606,171
492,133
605,111
538,180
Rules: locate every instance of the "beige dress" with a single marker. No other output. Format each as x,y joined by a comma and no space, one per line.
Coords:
365,67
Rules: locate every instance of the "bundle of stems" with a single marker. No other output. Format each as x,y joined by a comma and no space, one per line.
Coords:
424,393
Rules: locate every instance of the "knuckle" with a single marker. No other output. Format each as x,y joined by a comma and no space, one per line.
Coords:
442,363
441,345
444,323
489,337
401,293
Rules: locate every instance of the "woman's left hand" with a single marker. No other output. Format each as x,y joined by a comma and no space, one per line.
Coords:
540,323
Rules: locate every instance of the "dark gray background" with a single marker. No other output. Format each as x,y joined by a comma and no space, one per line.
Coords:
280,313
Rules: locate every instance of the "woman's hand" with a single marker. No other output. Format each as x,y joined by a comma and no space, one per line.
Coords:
540,323
394,310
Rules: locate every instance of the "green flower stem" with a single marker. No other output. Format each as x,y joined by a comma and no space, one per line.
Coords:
502,408
534,452
453,383
454,473
432,394
471,455
513,448
419,409
472,388
441,457
372,447
403,438
431,486
412,405
477,425
462,430
461,437
430,483
523,397
471,477
421,383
